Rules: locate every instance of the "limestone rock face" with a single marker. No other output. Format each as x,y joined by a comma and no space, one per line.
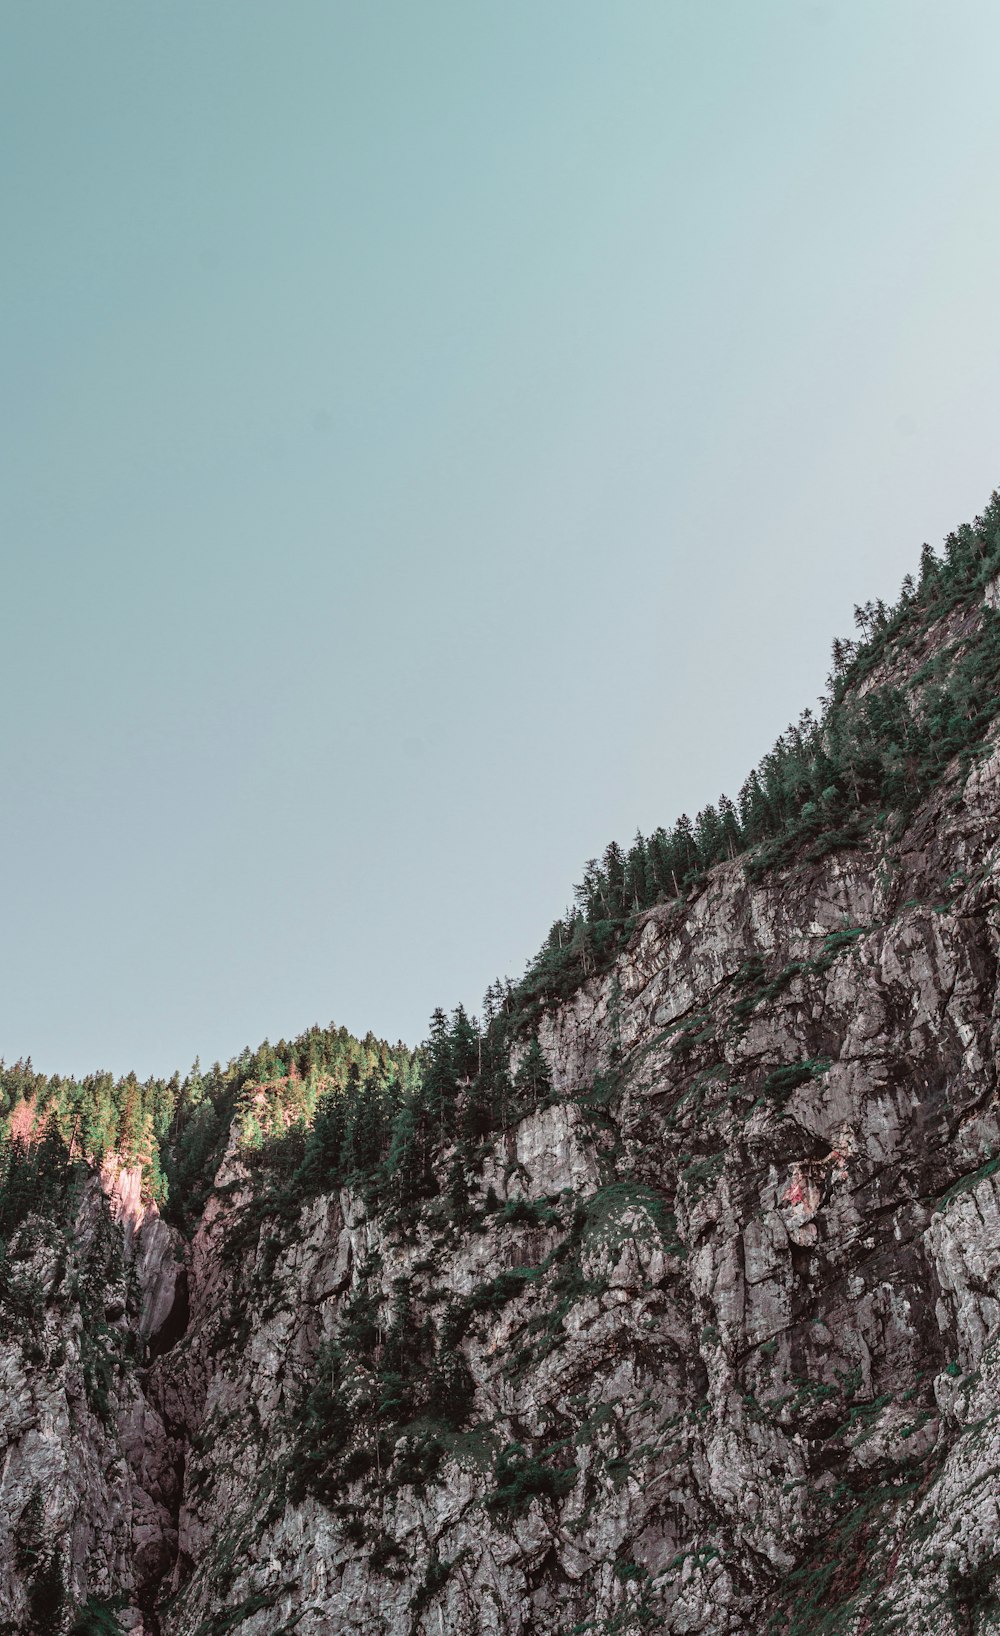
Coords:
725,1314
766,1368
89,1474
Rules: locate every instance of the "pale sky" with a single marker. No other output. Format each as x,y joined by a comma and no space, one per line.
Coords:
439,439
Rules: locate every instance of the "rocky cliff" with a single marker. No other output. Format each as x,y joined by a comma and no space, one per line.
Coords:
711,1343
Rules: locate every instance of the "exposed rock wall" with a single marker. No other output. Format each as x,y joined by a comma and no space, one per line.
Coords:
90,1477
729,1312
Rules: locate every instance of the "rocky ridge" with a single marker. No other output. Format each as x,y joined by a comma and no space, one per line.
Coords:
716,1329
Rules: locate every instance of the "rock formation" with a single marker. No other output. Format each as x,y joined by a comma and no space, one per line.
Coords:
713,1342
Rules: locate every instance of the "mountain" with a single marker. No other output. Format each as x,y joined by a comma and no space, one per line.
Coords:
666,1297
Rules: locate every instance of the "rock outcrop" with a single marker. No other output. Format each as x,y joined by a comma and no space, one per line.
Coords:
713,1335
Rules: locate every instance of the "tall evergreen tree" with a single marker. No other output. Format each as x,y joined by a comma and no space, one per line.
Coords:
533,1082
440,1084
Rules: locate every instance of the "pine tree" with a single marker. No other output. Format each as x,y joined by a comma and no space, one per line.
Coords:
323,1162
366,1127
465,1049
640,888
533,1082
684,847
440,1085
581,947
613,871
590,894
402,1165
708,837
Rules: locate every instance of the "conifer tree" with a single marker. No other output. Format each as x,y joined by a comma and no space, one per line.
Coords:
402,1166
323,1161
730,835
613,882
365,1124
929,567
440,1085
533,1082
464,1045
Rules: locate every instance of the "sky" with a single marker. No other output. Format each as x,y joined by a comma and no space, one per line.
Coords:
437,440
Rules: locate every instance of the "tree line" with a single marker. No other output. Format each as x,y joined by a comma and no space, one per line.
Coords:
387,1130
176,1128
871,754
327,1108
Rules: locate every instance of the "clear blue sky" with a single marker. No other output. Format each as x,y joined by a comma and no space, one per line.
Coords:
438,439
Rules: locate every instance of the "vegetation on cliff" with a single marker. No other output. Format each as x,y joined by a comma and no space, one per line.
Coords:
547,1339
327,1108
177,1129
893,720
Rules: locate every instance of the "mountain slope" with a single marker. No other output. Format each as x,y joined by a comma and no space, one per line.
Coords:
670,1301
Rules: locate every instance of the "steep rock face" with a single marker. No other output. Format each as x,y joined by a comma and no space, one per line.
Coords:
751,1352
708,1343
90,1480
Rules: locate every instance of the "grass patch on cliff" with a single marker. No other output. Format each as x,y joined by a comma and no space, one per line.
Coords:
699,1175
781,1082
755,989
607,1214
521,1478
840,1583
966,1184
436,1575
98,1618
219,1624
